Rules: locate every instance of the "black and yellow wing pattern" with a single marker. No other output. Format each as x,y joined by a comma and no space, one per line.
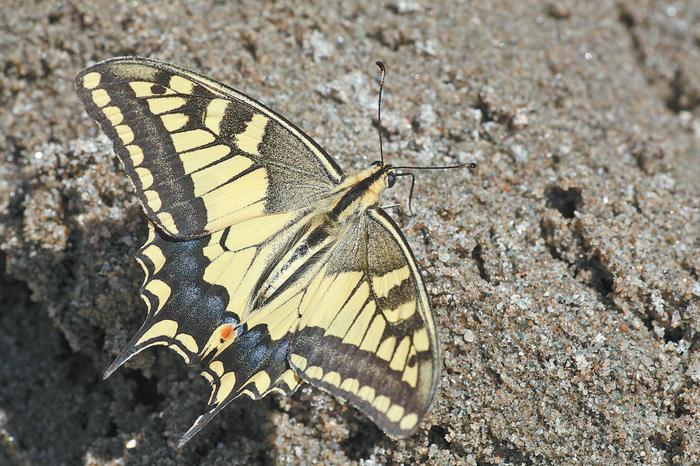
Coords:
200,155
366,332
265,265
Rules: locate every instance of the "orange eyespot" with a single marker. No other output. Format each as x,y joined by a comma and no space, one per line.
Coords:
228,332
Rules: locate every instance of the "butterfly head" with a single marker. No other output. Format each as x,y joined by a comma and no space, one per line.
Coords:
386,172
389,172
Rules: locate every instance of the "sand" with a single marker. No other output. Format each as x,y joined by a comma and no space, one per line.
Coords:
563,271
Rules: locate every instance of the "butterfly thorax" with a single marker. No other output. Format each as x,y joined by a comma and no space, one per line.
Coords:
359,192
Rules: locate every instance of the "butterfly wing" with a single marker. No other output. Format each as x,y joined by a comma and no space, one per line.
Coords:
201,155
251,359
192,288
196,291
366,332
351,316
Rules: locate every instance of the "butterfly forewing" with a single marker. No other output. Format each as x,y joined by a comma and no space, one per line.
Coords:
201,156
366,332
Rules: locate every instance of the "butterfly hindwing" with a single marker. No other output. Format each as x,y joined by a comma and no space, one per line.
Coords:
366,332
195,289
172,289
356,323
201,155
254,365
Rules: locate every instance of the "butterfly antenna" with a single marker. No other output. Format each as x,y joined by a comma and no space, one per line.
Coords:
470,165
379,109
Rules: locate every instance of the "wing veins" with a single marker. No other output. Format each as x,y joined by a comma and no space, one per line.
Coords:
237,176
347,300
236,101
125,83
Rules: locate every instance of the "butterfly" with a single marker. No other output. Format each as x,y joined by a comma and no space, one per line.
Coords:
265,265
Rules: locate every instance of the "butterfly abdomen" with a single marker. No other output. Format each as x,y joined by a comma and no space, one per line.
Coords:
308,255
303,257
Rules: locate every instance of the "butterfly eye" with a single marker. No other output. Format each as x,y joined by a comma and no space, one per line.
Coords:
376,163
391,179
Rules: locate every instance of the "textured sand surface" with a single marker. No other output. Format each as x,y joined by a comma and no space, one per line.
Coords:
563,271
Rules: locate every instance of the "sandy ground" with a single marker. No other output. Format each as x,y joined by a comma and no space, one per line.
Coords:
563,272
